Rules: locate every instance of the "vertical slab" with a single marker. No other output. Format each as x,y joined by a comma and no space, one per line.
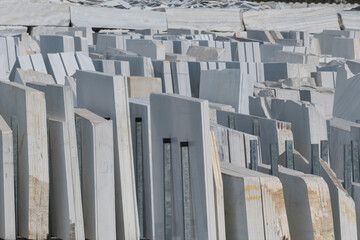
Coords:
33,179
112,102
97,166
63,223
192,125
60,109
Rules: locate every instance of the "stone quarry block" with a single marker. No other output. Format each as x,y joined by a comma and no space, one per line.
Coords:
172,152
142,87
112,103
28,107
7,194
97,174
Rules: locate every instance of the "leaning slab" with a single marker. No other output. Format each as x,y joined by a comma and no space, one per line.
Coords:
106,96
27,112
